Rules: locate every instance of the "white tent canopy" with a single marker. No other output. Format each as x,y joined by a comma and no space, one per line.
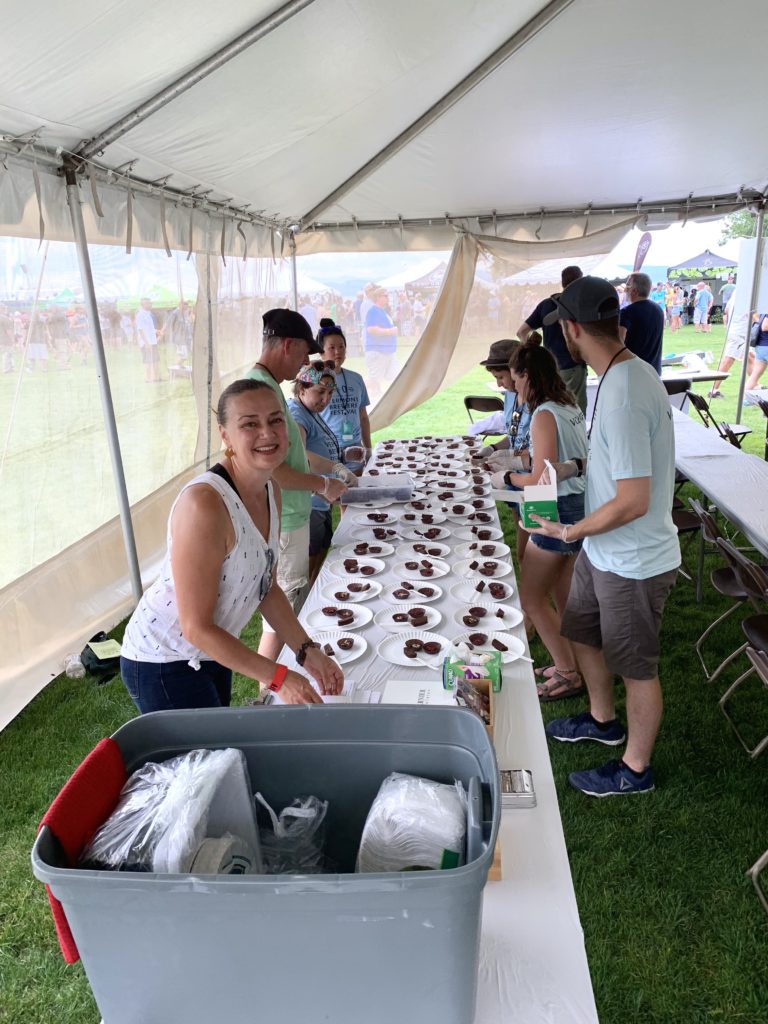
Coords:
517,132
585,109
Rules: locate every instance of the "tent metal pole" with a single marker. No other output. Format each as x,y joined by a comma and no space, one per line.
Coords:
108,410
294,275
752,309
206,67
489,65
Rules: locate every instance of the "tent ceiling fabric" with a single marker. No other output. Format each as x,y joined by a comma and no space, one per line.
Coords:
593,110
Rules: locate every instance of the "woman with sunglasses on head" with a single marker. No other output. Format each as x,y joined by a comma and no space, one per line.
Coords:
558,433
313,391
347,413
182,643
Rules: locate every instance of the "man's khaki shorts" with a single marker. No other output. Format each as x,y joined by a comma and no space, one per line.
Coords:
619,615
293,568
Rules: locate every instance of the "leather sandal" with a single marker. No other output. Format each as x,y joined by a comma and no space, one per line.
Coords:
560,686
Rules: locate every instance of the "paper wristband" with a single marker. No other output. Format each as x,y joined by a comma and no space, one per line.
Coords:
278,678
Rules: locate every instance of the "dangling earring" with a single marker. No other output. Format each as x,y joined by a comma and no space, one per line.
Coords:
229,451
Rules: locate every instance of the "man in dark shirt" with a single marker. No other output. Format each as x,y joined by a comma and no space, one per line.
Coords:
642,322
574,374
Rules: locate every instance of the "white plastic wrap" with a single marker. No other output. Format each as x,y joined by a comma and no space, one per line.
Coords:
164,812
413,824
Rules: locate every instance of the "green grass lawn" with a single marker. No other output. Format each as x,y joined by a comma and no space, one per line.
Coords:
674,932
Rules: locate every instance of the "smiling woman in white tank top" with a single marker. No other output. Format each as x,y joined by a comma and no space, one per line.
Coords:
182,642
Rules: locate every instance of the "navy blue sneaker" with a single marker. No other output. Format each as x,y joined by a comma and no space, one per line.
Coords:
613,779
583,727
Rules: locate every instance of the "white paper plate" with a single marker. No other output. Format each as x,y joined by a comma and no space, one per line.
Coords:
362,519
329,591
465,533
417,533
388,594
515,646
463,569
391,650
317,620
376,503
442,483
428,505
436,550
348,551
417,518
338,569
472,550
467,591
367,534
385,620
439,568
359,645
512,616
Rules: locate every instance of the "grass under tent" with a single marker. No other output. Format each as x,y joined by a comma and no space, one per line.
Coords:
674,932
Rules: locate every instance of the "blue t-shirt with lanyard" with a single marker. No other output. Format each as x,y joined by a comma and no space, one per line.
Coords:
517,419
320,441
343,413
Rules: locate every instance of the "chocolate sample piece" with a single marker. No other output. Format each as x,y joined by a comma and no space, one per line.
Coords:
328,649
474,565
411,566
477,611
341,595
478,639
419,621
346,643
330,611
359,588
470,620
498,590
413,612
434,551
420,548
432,533
362,548
426,591
488,549
368,570
499,645
426,573
401,594
432,647
399,617
377,517
480,586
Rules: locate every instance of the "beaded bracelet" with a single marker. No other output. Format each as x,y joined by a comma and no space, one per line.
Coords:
301,654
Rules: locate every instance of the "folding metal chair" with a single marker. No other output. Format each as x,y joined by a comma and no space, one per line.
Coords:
754,873
755,628
485,404
738,430
724,582
764,409
676,388
687,526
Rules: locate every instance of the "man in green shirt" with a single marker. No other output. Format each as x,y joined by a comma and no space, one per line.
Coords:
287,343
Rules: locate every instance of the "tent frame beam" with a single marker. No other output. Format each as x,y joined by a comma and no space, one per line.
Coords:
102,374
183,83
752,307
458,92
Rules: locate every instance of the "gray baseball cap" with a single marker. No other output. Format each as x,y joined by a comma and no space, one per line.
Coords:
584,301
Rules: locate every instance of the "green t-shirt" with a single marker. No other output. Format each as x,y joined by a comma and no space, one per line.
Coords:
296,504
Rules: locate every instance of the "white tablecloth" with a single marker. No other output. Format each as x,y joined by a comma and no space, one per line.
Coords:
734,481
533,965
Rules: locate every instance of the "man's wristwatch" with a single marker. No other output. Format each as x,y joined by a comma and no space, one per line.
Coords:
580,465
301,654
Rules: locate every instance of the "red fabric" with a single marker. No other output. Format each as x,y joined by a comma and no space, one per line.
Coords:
85,802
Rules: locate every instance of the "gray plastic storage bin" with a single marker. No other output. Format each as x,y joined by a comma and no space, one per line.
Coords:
294,949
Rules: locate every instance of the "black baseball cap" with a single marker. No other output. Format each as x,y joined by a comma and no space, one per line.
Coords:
286,323
500,353
584,301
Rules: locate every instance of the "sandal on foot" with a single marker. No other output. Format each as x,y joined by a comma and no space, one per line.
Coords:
545,673
560,686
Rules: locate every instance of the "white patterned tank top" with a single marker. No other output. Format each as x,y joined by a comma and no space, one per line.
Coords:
154,632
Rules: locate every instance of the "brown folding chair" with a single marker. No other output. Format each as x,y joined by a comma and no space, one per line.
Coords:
485,404
688,527
755,628
764,409
724,581
737,430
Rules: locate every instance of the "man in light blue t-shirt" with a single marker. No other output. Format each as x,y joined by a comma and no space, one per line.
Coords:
631,553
